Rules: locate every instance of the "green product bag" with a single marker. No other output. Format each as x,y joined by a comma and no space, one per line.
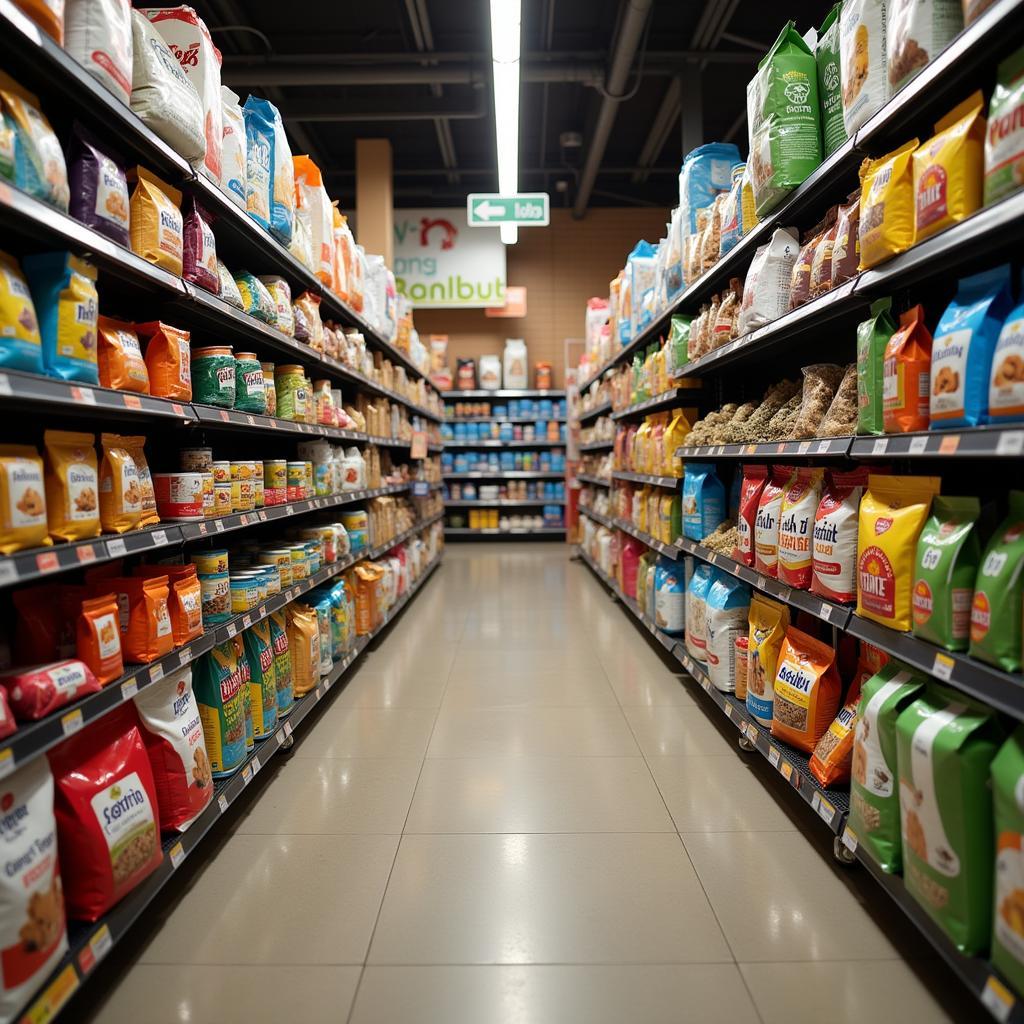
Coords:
679,342
1003,140
872,337
784,120
830,90
245,674
945,743
948,553
217,686
213,376
1008,909
262,681
996,632
874,801
250,386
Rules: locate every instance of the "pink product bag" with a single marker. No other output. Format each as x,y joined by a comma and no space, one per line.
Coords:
199,250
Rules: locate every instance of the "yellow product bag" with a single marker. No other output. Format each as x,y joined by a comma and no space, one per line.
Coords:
72,485
120,493
675,434
367,579
21,344
22,499
768,622
887,205
304,645
135,446
157,231
892,514
948,169
642,446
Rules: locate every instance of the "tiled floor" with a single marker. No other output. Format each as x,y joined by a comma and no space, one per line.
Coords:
515,813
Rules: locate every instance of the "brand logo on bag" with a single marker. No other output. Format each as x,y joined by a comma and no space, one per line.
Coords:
796,677
877,582
882,523
11,820
122,801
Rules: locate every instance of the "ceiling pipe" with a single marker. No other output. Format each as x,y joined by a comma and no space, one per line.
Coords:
634,18
409,110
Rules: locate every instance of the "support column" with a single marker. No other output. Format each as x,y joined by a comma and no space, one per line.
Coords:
375,229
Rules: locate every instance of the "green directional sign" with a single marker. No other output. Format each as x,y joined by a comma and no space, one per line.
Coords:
488,210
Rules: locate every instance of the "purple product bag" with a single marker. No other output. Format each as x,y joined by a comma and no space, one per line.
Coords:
99,190
199,251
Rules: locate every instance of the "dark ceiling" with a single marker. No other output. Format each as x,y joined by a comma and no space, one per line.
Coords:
342,71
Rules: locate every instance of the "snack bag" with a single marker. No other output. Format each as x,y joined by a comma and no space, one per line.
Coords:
184,601
22,499
916,32
906,375
98,637
1008,908
783,118
282,662
846,250
948,170
874,798
799,505
281,295
945,743
99,188
156,224
39,167
703,500
830,96
807,690
964,349
887,205
696,612
228,289
872,337
675,434
863,71
304,646
217,684
136,448
120,362
146,632
727,608
21,345
72,485
120,491
262,681
314,210
1006,376
948,554
669,612
1004,141
172,732
37,691
754,479
98,34
834,548
768,622
766,522
64,292
892,514
833,753
256,300
199,253
996,609
168,360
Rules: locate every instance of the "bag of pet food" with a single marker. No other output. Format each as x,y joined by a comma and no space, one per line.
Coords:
997,605
892,513
800,282
872,337
33,935
964,349
38,161
315,211
259,162
157,231
767,623
948,555
834,547
669,612
1008,905
766,522
120,362
146,632
106,809
797,512
754,479
947,170
821,261
807,690
162,94
783,118
228,289
22,499
727,609
905,375
830,96
917,31
887,205
99,188
98,34
172,731
120,491
168,360
188,38
21,344
135,445
217,684
1006,376
703,500
262,681
233,155
833,753
732,216
766,286
874,798
72,485
864,73
1004,141
945,746
696,612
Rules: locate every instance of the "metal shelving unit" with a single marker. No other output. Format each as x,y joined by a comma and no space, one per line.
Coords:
673,482
666,400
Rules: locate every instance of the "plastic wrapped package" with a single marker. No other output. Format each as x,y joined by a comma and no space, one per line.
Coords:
156,224
228,289
256,300
706,172
766,288
38,165
232,156
315,213
281,177
99,189
199,260
864,71
98,34
259,160
280,291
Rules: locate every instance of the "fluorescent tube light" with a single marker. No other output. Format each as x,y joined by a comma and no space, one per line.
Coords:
506,26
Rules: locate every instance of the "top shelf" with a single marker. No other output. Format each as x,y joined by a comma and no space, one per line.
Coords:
504,393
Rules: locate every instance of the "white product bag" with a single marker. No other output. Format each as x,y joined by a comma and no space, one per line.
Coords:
232,155
98,34
766,289
863,71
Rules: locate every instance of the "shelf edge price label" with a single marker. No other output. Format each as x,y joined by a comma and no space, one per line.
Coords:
56,994
881,446
176,854
129,688
997,998
942,666
85,553
918,445
787,770
116,547
849,839
1011,442
774,756
72,722
99,945
222,802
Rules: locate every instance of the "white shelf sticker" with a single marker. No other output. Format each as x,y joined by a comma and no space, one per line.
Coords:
823,447
101,942
1011,442
8,572
176,854
116,548
5,385
804,447
72,722
156,673
773,756
997,998
84,395
222,802
849,839
246,621
289,511
826,611
232,629
880,446
246,775
218,526
159,538
728,709
917,445
942,666
184,657
256,766
129,688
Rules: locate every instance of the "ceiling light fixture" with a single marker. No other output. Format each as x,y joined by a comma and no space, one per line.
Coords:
506,24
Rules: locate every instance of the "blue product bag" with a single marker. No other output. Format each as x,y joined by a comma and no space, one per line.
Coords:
706,171
670,596
963,347
703,500
259,160
1006,379
641,265
728,607
702,578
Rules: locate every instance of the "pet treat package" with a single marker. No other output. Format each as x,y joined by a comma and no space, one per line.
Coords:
766,522
696,612
830,93
727,610
703,500
807,690
887,205
872,337
99,189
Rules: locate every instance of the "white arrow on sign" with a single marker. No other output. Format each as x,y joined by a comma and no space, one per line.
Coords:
486,210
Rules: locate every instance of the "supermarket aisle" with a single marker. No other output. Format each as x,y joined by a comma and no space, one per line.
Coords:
515,812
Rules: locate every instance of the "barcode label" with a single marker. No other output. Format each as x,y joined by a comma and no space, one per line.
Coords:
918,445
116,547
880,446
159,538
942,666
774,756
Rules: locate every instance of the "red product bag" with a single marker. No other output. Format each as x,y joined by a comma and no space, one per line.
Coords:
173,733
7,723
37,691
107,816
754,479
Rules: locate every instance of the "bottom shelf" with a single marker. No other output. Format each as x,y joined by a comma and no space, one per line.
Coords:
89,943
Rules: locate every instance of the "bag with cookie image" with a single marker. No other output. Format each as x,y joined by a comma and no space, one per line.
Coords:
863,65
120,489
173,734
874,800
945,744
1008,909
1006,376
72,485
22,499
33,933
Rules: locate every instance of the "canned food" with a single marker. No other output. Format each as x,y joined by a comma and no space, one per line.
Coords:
314,555
222,499
275,474
250,394
215,595
259,494
300,562
290,385
322,479
273,578
269,388
196,460
210,563
244,593
213,376
221,472
281,559
209,509
243,497
243,469
179,496
296,481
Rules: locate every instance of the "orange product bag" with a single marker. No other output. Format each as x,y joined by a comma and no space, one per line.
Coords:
99,637
22,499
145,619
156,226
906,379
833,754
304,645
367,579
47,14
184,600
314,209
120,493
893,511
72,485
168,360
121,365
136,448
344,250
807,690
